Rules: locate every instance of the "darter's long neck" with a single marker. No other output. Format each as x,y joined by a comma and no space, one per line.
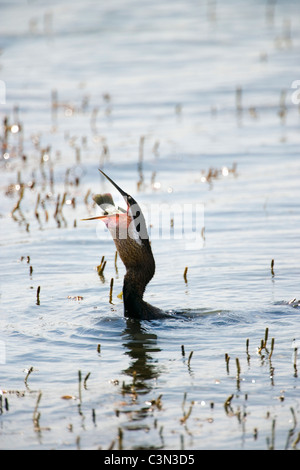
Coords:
135,281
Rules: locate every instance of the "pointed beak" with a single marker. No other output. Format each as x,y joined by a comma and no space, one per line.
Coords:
97,217
125,195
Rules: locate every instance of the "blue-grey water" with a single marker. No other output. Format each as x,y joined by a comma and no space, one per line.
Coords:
191,107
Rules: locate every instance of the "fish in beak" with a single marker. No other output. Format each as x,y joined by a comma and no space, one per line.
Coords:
118,220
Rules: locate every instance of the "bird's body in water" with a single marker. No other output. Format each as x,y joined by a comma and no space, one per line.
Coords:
129,232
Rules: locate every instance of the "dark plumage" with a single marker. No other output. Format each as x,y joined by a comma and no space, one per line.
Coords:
129,232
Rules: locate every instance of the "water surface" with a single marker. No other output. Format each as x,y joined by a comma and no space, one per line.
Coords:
207,89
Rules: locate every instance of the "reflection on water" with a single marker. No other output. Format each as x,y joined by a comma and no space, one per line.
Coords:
138,399
140,346
182,105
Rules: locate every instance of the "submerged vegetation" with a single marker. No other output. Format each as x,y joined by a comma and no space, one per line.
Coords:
204,123
197,418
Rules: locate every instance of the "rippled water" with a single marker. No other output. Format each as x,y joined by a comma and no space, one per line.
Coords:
209,88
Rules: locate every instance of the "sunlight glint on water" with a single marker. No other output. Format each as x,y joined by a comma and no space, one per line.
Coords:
213,103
